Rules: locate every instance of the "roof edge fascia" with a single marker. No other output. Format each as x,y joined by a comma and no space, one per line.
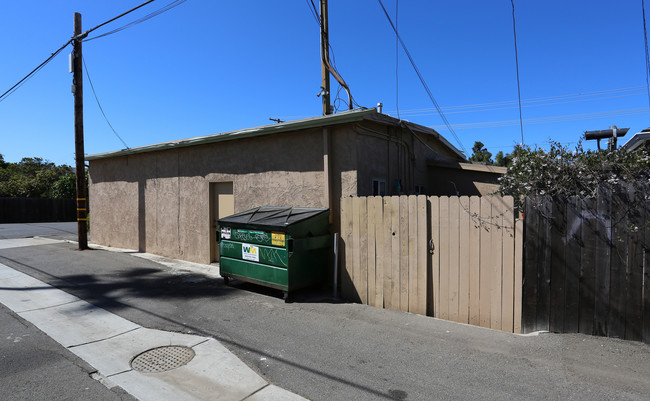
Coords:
314,122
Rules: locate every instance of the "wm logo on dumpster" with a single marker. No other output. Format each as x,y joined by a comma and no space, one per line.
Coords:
250,252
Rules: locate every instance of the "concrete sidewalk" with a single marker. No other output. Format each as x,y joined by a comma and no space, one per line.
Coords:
110,343
324,350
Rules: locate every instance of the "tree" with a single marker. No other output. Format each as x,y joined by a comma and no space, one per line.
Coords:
30,178
65,187
480,153
564,172
502,160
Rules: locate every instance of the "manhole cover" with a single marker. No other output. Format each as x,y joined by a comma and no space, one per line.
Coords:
162,359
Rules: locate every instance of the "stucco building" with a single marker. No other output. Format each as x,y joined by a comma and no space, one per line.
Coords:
165,198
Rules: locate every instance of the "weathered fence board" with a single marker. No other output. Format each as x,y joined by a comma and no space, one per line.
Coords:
450,257
596,279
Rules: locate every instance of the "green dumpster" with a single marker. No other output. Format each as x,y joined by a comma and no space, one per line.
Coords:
279,247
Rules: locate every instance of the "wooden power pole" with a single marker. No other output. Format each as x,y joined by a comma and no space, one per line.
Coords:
325,57
77,90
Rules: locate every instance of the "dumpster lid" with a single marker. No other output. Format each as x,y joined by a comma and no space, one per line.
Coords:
273,216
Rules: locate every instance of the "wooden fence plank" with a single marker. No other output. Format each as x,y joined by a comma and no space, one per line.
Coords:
646,268
618,263
573,239
464,263
558,265
508,288
486,267
603,259
496,240
387,252
587,290
347,287
379,252
371,249
454,256
422,236
544,264
356,249
634,285
519,283
530,266
363,254
404,253
412,254
474,259
395,252
444,258
434,300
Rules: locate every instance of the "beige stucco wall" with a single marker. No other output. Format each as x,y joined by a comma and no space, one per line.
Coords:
159,202
451,181
391,153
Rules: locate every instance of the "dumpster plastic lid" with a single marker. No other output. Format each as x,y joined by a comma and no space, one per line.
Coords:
273,216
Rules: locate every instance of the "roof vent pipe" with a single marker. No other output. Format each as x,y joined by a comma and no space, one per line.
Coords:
379,107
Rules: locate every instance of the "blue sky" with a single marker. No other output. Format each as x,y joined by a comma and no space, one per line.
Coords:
213,66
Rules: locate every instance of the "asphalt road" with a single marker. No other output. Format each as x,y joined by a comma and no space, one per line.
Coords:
338,351
35,367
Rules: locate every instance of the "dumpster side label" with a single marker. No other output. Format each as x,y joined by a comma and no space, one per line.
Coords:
250,252
277,239
225,232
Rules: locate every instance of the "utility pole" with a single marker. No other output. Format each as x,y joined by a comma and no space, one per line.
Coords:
325,57
77,90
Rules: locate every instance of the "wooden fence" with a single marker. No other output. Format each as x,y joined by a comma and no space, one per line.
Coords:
34,210
586,264
456,258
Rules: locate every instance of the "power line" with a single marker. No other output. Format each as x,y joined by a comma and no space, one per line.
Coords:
553,119
424,84
540,101
33,72
138,21
115,18
331,67
100,106
496,108
314,12
647,55
514,31
83,35
397,59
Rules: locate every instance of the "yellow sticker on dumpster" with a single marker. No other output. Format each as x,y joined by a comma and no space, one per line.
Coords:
277,239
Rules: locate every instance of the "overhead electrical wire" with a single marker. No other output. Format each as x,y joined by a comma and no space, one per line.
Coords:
115,18
83,35
100,106
33,72
514,31
397,59
647,55
331,67
553,119
533,102
496,108
422,81
139,20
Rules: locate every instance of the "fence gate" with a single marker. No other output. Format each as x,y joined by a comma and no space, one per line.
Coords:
455,258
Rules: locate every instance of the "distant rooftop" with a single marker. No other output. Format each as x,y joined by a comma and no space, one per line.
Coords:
637,140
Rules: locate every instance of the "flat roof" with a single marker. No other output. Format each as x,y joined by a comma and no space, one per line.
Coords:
314,122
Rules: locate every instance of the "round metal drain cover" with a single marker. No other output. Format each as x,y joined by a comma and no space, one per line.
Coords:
162,359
